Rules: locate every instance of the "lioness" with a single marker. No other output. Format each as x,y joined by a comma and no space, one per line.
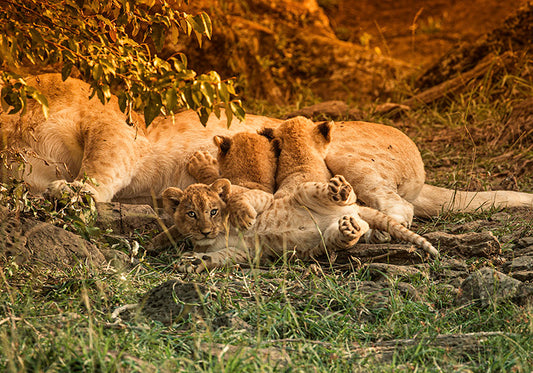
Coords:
84,139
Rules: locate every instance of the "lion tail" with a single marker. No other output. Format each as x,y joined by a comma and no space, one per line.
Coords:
433,201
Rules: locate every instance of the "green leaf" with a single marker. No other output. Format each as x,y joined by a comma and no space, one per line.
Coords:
223,92
158,36
208,92
40,98
66,70
152,108
173,35
171,99
207,24
229,117
97,72
36,36
122,101
203,113
237,109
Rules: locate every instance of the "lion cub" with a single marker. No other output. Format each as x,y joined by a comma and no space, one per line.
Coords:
314,219
302,146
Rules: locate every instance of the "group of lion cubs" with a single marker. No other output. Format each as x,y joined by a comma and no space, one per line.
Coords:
233,214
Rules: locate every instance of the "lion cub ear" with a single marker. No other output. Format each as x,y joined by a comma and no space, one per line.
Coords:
266,132
223,143
325,129
222,188
171,199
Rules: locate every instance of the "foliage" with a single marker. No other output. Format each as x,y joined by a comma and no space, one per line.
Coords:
115,46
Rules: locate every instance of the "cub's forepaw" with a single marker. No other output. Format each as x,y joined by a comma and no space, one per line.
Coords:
192,262
340,191
350,228
241,214
203,165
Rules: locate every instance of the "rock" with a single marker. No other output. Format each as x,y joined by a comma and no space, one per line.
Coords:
172,301
12,240
466,245
380,270
523,275
118,259
392,110
451,271
525,242
521,263
125,218
29,241
488,286
58,247
520,268
524,296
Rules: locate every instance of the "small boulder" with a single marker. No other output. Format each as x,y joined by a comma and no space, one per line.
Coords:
487,286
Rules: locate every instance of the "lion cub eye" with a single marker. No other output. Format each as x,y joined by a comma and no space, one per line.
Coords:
191,214
214,212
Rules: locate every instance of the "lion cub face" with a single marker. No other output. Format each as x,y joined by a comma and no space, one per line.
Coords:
199,210
247,159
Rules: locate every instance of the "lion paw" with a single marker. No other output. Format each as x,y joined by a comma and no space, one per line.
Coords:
62,190
241,214
340,191
350,228
192,262
203,167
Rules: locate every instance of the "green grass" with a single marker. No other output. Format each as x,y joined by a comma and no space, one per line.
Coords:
322,321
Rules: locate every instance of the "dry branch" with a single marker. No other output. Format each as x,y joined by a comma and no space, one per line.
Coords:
455,85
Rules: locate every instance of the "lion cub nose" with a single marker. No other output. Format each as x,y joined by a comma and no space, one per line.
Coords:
206,232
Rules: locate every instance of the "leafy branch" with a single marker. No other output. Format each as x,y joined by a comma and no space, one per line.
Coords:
115,47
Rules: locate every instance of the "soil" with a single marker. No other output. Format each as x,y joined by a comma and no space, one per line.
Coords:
418,32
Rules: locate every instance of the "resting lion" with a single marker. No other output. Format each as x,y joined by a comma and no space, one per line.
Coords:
83,139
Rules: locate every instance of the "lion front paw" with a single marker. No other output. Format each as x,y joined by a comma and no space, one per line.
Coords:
203,167
340,191
192,262
241,214
63,191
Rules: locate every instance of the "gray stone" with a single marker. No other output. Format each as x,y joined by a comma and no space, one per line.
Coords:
525,241
125,218
466,245
52,245
172,301
487,286
521,263
523,275
384,270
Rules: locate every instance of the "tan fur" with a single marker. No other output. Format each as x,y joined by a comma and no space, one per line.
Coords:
81,138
